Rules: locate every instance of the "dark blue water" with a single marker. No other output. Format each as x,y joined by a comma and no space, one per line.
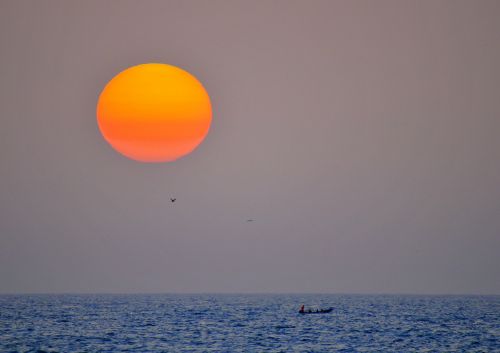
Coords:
248,323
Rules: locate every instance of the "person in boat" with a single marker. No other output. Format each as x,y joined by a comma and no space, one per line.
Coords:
301,309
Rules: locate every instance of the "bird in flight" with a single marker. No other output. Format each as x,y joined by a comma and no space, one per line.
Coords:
249,220
172,200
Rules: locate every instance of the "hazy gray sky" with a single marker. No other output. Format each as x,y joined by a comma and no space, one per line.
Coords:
362,136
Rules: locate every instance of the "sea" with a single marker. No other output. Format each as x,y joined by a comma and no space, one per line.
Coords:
248,323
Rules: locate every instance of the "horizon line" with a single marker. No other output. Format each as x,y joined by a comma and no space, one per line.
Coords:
251,293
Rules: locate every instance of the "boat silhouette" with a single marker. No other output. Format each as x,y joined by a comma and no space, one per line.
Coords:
318,311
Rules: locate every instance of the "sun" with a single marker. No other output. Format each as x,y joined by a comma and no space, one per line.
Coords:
154,113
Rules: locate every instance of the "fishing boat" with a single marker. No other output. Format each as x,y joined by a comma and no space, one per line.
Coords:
317,311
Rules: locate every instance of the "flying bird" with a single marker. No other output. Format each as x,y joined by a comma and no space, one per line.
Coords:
172,200
249,220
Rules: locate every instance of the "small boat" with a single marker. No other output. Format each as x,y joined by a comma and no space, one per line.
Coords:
318,311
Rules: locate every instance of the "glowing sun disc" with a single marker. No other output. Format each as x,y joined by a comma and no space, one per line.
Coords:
154,113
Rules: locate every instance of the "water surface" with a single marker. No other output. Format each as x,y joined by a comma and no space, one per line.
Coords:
248,323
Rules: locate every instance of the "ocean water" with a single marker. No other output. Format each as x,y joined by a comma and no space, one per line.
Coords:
248,323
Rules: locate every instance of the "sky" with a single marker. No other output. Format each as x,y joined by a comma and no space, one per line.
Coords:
361,137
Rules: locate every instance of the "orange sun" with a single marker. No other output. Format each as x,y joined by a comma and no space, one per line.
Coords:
154,113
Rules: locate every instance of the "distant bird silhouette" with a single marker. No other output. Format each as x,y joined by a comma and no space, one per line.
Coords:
172,200
249,220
